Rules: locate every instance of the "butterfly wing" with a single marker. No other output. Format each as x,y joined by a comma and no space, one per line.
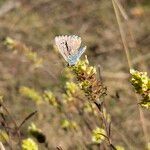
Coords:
74,43
69,47
60,43
72,59
81,51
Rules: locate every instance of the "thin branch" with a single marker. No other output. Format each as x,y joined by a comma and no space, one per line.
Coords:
106,126
124,42
14,122
27,118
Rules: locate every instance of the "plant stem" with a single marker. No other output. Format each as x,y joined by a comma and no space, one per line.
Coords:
112,147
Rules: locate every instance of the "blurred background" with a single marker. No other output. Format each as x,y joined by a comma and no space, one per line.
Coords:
28,58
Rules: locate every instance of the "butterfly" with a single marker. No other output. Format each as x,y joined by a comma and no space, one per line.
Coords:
69,47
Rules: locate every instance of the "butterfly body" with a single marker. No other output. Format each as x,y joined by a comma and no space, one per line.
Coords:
69,47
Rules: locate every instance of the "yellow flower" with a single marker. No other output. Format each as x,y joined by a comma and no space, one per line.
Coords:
98,135
67,124
141,83
3,136
31,94
10,42
118,147
67,98
29,144
90,108
145,104
106,115
71,87
91,70
49,96
68,74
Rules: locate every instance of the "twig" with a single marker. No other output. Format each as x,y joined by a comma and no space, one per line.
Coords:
106,126
27,118
122,34
10,146
7,128
100,108
99,73
14,122
127,21
59,148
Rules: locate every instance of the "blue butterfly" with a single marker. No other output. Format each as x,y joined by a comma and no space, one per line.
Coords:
69,47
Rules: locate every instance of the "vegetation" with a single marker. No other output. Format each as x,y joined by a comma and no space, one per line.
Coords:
99,103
